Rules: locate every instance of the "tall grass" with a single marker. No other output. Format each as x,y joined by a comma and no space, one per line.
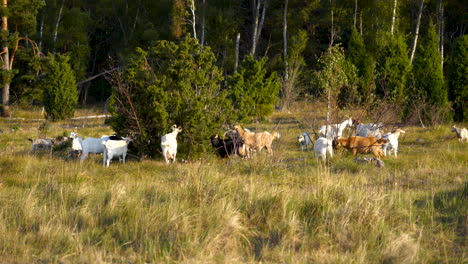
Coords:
288,208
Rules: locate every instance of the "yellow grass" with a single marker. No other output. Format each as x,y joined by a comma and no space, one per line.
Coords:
288,208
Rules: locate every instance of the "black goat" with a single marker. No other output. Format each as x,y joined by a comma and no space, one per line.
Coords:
224,147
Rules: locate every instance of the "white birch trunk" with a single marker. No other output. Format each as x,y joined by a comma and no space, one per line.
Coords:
192,10
262,20
360,23
255,25
236,55
393,17
416,32
57,24
41,31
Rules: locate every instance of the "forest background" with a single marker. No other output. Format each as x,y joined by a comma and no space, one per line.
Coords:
399,52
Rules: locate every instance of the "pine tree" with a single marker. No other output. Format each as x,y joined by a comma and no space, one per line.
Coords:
427,70
457,74
364,62
392,70
252,90
60,94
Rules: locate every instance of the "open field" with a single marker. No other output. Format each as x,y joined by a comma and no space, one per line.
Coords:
288,208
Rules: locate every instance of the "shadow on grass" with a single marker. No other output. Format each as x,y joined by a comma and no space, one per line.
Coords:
450,210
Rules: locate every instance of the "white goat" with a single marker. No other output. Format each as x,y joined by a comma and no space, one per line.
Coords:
304,140
322,146
369,130
169,144
89,145
76,145
335,130
115,148
392,142
462,133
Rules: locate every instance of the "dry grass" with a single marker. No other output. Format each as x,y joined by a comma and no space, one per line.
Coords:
288,208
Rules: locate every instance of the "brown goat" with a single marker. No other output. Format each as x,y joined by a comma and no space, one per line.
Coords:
361,145
257,141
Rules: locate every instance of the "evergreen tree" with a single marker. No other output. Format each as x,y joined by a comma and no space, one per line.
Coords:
392,70
60,94
252,90
364,62
427,70
171,83
457,74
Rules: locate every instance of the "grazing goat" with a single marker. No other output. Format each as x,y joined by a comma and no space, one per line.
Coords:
257,141
224,147
41,143
361,145
322,146
369,130
76,145
304,140
169,144
335,130
88,145
392,143
115,148
462,133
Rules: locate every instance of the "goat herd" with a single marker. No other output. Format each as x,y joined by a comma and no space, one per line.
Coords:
242,142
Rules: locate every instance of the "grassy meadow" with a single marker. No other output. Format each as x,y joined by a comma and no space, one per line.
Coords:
288,208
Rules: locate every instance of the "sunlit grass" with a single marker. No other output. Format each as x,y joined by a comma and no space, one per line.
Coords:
289,208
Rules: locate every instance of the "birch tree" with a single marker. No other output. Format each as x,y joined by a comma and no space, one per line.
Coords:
57,24
258,22
416,31
393,16
193,20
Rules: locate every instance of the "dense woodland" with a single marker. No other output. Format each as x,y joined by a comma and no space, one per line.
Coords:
401,51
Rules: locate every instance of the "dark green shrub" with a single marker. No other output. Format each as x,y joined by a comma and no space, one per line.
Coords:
59,85
252,90
171,83
457,73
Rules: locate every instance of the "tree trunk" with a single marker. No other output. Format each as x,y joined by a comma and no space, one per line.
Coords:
393,17
440,24
416,32
236,55
360,22
256,13
192,10
54,40
257,26
355,13
41,30
202,37
6,66
285,40
332,30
